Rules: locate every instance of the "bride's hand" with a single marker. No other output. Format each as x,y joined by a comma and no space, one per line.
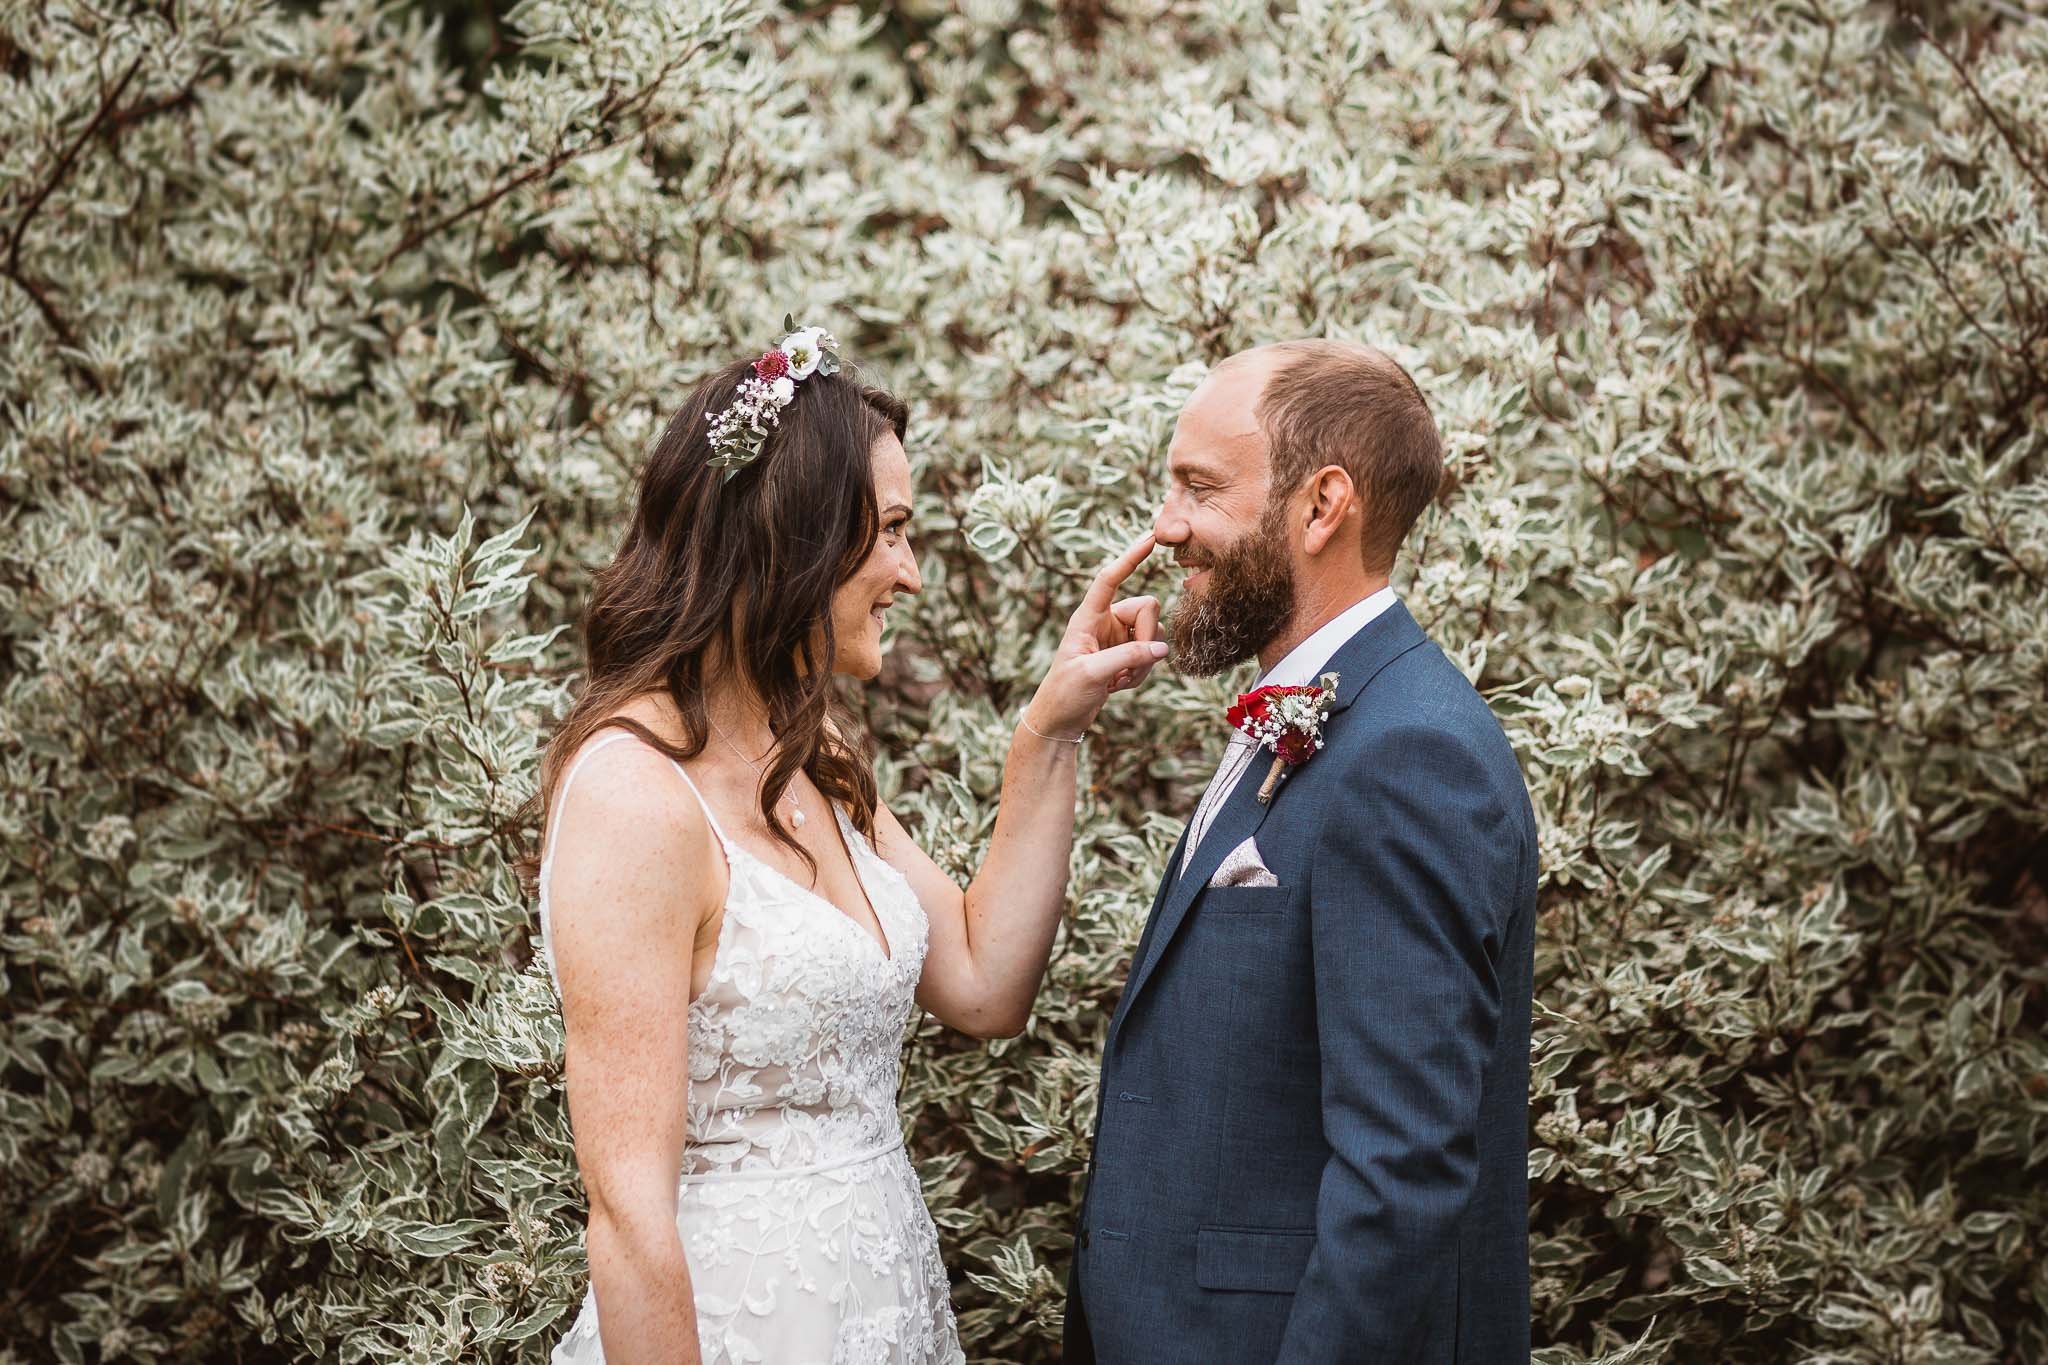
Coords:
1110,646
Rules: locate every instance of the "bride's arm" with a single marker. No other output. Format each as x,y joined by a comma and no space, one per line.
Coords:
624,939
989,944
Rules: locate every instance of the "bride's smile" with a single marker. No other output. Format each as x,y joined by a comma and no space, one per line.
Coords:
890,569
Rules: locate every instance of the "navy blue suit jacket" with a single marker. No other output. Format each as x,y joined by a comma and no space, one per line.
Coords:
1312,1145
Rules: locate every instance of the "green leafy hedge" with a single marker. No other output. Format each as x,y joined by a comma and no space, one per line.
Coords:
330,337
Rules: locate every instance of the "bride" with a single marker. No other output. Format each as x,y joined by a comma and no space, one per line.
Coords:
735,924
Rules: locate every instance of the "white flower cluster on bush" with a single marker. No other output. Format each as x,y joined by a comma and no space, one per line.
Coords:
331,338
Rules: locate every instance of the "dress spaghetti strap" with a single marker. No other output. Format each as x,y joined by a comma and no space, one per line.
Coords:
716,829
554,824
555,819
547,945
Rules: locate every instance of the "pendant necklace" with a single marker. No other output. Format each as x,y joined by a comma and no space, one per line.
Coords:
796,812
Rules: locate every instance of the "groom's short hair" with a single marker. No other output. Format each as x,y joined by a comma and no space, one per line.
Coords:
1330,402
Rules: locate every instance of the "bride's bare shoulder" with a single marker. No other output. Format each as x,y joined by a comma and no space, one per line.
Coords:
628,827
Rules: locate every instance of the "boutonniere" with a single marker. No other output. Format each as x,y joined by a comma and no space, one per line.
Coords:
1287,720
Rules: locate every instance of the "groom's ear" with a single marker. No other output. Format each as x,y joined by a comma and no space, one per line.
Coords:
1330,504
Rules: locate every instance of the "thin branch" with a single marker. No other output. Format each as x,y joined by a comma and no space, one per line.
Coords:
555,161
63,166
65,336
2005,134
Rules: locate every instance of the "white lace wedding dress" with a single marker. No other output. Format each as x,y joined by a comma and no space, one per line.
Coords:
805,1228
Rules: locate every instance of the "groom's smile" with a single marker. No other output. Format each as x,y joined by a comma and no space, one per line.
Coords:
1235,601
1239,591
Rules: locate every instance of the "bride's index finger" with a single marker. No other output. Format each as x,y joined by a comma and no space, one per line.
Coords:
1111,575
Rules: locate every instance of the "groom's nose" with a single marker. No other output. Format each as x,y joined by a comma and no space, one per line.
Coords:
1169,523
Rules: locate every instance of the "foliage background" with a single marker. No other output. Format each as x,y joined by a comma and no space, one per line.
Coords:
330,336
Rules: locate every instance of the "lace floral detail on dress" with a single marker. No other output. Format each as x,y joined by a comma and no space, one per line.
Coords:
796,1040
802,1219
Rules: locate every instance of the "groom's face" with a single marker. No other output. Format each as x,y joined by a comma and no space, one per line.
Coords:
1222,525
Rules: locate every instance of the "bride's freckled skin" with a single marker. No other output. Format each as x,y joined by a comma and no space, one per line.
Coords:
859,604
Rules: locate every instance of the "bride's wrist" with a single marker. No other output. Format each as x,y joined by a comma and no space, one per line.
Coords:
1057,734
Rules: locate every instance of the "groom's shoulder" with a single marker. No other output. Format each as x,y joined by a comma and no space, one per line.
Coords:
1424,689
1421,708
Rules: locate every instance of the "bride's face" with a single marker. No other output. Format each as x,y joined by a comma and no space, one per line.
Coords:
859,603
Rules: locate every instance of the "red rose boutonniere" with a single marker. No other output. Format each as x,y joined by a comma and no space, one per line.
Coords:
1287,720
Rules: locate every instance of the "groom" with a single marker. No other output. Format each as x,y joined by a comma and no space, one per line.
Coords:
1312,1142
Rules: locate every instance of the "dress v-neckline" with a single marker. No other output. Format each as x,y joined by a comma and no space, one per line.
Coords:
879,940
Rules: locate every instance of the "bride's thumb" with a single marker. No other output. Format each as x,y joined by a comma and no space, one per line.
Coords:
1134,658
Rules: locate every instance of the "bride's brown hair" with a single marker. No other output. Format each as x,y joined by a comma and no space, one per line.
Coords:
776,539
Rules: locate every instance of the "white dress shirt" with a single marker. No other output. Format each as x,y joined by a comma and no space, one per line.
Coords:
1303,664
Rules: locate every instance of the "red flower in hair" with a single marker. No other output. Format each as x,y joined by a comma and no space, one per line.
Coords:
772,365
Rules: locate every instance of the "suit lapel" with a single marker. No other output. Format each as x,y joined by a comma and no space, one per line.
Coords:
1166,885
1383,639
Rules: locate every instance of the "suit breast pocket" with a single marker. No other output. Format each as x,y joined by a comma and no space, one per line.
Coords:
1245,900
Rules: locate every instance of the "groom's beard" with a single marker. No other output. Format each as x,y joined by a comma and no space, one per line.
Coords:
1248,600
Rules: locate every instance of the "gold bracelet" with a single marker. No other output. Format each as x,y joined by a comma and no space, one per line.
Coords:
1057,739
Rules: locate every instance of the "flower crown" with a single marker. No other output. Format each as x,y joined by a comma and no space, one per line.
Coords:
738,430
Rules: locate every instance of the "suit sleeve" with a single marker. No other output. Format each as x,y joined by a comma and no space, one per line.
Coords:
1406,894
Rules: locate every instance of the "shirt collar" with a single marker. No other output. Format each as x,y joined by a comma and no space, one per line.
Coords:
1306,659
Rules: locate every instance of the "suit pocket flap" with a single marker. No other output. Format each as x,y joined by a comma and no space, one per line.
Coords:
1265,1260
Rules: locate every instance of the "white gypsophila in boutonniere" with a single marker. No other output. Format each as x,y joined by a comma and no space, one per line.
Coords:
1286,720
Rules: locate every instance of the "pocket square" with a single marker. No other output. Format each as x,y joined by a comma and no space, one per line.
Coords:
1243,866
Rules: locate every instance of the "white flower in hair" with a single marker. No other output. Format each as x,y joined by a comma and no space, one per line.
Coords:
805,349
784,389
